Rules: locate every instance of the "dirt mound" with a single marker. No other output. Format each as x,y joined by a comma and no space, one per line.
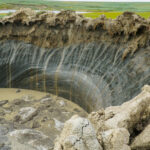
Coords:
51,30
124,127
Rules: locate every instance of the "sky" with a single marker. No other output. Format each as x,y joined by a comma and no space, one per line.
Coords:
110,0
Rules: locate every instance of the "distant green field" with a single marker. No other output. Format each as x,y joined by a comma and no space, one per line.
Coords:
2,15
113,15
110,9
78,6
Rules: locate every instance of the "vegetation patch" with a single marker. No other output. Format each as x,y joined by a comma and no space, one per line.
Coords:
77,6
95,9
113,15
3,15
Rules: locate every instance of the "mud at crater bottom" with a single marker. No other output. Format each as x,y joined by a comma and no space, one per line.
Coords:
28,116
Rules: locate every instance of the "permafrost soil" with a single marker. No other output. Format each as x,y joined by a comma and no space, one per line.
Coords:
95,63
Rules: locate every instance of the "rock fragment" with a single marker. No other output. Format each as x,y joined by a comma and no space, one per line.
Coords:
130,113
127,116
18,91
4,142
27,113
117,126
78,134
45,100
142,141
29,139
62,103
58,124
35,124
3,102
3,130
116,139
27,98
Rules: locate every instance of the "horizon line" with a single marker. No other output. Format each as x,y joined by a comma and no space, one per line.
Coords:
132,1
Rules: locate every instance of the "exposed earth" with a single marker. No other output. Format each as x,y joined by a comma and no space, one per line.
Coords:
31,115
28,123
102,65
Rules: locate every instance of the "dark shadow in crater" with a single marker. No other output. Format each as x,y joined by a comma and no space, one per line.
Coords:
92,75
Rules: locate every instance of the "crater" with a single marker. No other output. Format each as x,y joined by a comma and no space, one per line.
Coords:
57,53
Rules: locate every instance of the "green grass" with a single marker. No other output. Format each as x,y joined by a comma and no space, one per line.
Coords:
144,14
113,15
78,6
2,15
110,9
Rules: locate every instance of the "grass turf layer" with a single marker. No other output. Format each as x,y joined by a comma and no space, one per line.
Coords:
110,9
113,15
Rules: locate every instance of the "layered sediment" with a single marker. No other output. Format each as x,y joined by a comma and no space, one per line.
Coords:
95,63
51,30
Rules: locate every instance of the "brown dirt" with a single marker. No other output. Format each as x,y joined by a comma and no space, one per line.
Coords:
57,30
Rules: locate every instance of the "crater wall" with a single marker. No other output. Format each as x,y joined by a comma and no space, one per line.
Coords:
94,63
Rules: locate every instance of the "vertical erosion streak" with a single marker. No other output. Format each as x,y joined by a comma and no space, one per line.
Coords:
92,75
68,55
58,69
96,63
41,53
75,70
33,63
45,67
12,58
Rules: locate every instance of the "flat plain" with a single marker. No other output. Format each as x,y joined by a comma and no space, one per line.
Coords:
95,9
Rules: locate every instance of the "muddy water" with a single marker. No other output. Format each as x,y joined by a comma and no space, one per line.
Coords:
11,93
50,114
